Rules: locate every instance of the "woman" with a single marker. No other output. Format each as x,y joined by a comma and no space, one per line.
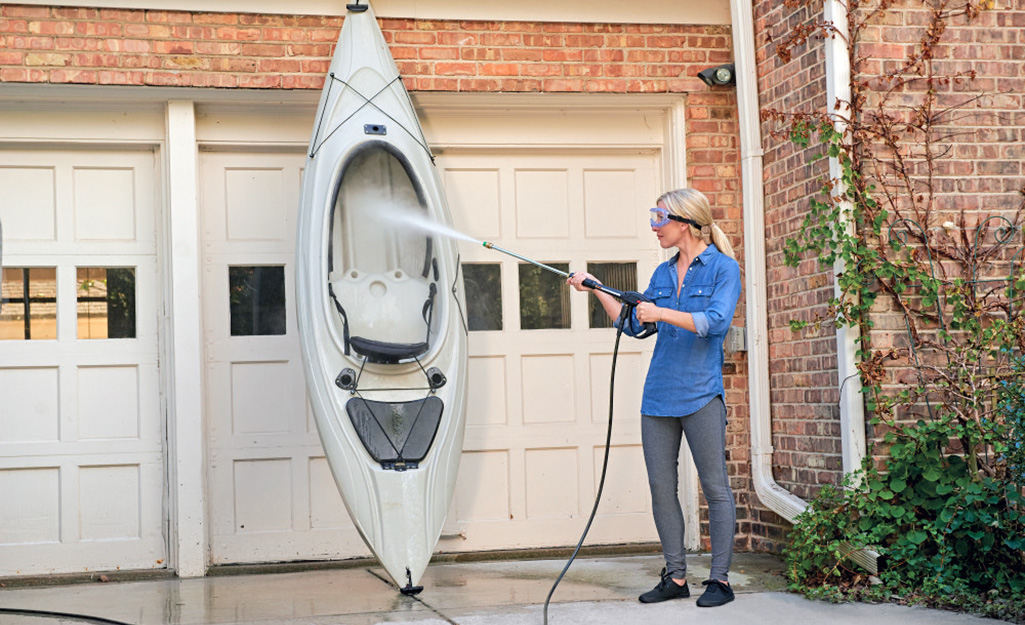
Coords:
694,295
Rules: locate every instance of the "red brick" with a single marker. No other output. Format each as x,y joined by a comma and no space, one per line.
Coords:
13,26
454,69
606,86
72,76
222,81
437,84
585,41
542,69
107,77
574,85
260,81
280,66
518,85
447,54
457,38
584,70
600,55
128,15
215,18
500,39
16,10
11,58
50,28
275,50
418,38
522,54
47,59
173,47
284,34
232,33
500,69
565,56
30,43
302,82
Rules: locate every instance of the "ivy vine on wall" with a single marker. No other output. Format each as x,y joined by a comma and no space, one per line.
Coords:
935,282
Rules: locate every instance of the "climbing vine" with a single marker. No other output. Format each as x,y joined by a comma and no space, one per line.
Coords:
937,289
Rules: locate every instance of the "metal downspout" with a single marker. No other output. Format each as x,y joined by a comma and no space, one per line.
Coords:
777,498
838,89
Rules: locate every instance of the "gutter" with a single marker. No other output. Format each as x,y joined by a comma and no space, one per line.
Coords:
770,493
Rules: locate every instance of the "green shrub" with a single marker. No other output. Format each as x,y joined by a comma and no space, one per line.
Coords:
945,535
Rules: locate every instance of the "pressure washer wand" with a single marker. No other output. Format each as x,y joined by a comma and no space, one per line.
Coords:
591,284
630,298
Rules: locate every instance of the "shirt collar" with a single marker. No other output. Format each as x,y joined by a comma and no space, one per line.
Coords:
705,257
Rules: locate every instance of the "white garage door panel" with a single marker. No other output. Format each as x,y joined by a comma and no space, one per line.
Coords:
81,431
272,495
538,399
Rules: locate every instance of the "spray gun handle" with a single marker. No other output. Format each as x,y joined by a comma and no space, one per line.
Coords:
630,300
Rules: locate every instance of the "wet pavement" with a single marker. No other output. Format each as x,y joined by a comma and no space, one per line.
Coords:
597,590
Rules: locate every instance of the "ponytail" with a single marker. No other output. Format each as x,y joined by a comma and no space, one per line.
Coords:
722,242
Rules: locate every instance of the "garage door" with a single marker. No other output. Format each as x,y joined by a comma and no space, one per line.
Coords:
81,433
540,354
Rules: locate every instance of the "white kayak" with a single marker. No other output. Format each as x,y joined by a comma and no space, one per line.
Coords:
380,306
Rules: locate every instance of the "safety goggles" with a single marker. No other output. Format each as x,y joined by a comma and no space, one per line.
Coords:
661,216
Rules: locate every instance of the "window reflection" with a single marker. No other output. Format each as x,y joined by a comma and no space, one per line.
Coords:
29,310
483,284
619,276
257,300
544,298
106,302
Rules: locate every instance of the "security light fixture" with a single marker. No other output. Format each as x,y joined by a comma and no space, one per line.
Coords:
717,76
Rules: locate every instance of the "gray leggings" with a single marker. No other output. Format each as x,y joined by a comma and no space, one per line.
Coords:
706,437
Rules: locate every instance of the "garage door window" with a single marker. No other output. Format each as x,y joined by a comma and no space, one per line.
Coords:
257,297
544,298
483,285
619,276
106,302
29,307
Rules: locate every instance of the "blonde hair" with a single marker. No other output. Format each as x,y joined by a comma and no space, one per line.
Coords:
692,204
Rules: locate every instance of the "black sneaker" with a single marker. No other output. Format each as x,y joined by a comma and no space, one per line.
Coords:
715,595
665,590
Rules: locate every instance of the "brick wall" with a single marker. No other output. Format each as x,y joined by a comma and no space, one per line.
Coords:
978,172
267,52
981,174
802,365
250,51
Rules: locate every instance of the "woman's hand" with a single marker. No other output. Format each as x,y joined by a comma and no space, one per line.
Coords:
648,312
577,280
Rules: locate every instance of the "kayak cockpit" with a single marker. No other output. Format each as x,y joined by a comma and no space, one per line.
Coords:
382,275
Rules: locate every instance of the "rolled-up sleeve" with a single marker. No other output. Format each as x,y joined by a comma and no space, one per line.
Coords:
716,319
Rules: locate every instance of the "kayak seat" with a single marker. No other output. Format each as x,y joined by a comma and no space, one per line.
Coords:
388,353
387,315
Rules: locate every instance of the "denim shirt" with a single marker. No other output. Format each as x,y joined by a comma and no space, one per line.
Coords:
686,368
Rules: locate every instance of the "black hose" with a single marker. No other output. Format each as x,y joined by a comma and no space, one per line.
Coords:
604,465
65,615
